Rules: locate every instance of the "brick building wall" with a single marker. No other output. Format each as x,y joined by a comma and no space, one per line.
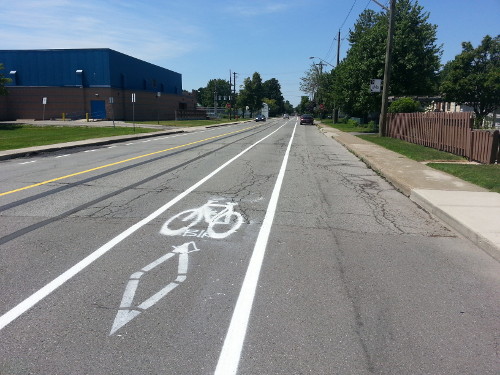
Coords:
76,102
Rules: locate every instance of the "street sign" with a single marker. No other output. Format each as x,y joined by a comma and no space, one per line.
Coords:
133,98
44,100
375,85
111,100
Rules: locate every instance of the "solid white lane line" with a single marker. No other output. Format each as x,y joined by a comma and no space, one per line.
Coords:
36,297
233,344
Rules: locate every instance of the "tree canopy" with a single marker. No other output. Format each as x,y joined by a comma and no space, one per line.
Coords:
415,60
473,77
3,81
215,88
252,94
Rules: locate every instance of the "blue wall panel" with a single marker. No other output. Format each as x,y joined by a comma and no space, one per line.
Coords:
101,67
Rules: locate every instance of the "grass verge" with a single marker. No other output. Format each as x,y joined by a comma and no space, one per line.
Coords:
349,127
20,136
411,150
484,175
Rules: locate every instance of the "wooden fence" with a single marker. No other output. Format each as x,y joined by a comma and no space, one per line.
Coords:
450,132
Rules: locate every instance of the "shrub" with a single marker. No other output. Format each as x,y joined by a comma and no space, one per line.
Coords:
404,105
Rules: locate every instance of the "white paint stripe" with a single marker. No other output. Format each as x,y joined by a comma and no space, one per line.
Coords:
36,297
151,301
128,296
233,344
28,162
62,156
183,263
157,262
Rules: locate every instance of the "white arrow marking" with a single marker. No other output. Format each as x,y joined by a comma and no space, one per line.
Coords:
126,311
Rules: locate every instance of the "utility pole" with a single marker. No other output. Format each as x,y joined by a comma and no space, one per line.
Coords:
230,101
336,110
387,69
233,100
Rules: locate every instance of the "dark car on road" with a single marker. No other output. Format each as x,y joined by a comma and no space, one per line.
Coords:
260,118
306,119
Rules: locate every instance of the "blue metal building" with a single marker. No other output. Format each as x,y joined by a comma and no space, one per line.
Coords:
99,67
81,80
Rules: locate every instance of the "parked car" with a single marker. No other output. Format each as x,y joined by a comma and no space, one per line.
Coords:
306,119
260,118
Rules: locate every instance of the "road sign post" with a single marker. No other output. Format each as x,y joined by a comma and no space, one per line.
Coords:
44,102
133,110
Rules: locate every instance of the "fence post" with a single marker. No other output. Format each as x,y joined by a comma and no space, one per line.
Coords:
495,147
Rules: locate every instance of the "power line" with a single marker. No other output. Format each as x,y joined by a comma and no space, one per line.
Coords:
348,14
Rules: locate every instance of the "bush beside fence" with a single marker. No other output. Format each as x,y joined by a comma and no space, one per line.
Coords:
450,132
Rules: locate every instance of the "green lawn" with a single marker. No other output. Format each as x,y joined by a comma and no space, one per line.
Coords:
486,176
411,150
19,136
348,127
14,136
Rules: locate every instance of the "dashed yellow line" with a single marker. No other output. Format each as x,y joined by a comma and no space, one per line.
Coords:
120,162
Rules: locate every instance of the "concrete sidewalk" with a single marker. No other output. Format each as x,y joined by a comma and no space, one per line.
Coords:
470,210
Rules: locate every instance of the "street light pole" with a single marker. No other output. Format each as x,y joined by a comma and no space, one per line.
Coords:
387,69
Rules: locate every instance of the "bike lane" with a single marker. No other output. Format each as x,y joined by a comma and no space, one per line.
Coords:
169,303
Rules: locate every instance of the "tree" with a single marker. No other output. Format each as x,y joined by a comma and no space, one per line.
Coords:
416,58
311,81
252,93
215,88
3,81
272,92
288,107
473,77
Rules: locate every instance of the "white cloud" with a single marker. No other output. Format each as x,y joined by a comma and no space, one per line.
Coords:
143,31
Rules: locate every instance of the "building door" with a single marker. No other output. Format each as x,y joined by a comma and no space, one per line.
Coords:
98,109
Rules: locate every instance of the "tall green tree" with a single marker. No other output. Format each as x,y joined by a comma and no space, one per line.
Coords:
252,93
215,88
272,92
3,81
415,59
473,77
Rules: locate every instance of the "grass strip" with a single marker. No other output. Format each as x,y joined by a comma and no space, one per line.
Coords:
411,150
348,127
20,136
484,175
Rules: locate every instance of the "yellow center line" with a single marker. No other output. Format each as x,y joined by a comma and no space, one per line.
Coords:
120,162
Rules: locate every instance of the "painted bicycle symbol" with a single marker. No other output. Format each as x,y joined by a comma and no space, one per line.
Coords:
222,220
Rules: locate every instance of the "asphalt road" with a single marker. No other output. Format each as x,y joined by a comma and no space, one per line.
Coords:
261,248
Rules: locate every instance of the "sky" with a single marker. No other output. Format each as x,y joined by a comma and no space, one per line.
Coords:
206,40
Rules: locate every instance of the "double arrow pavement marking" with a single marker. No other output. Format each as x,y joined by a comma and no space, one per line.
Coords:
127,312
